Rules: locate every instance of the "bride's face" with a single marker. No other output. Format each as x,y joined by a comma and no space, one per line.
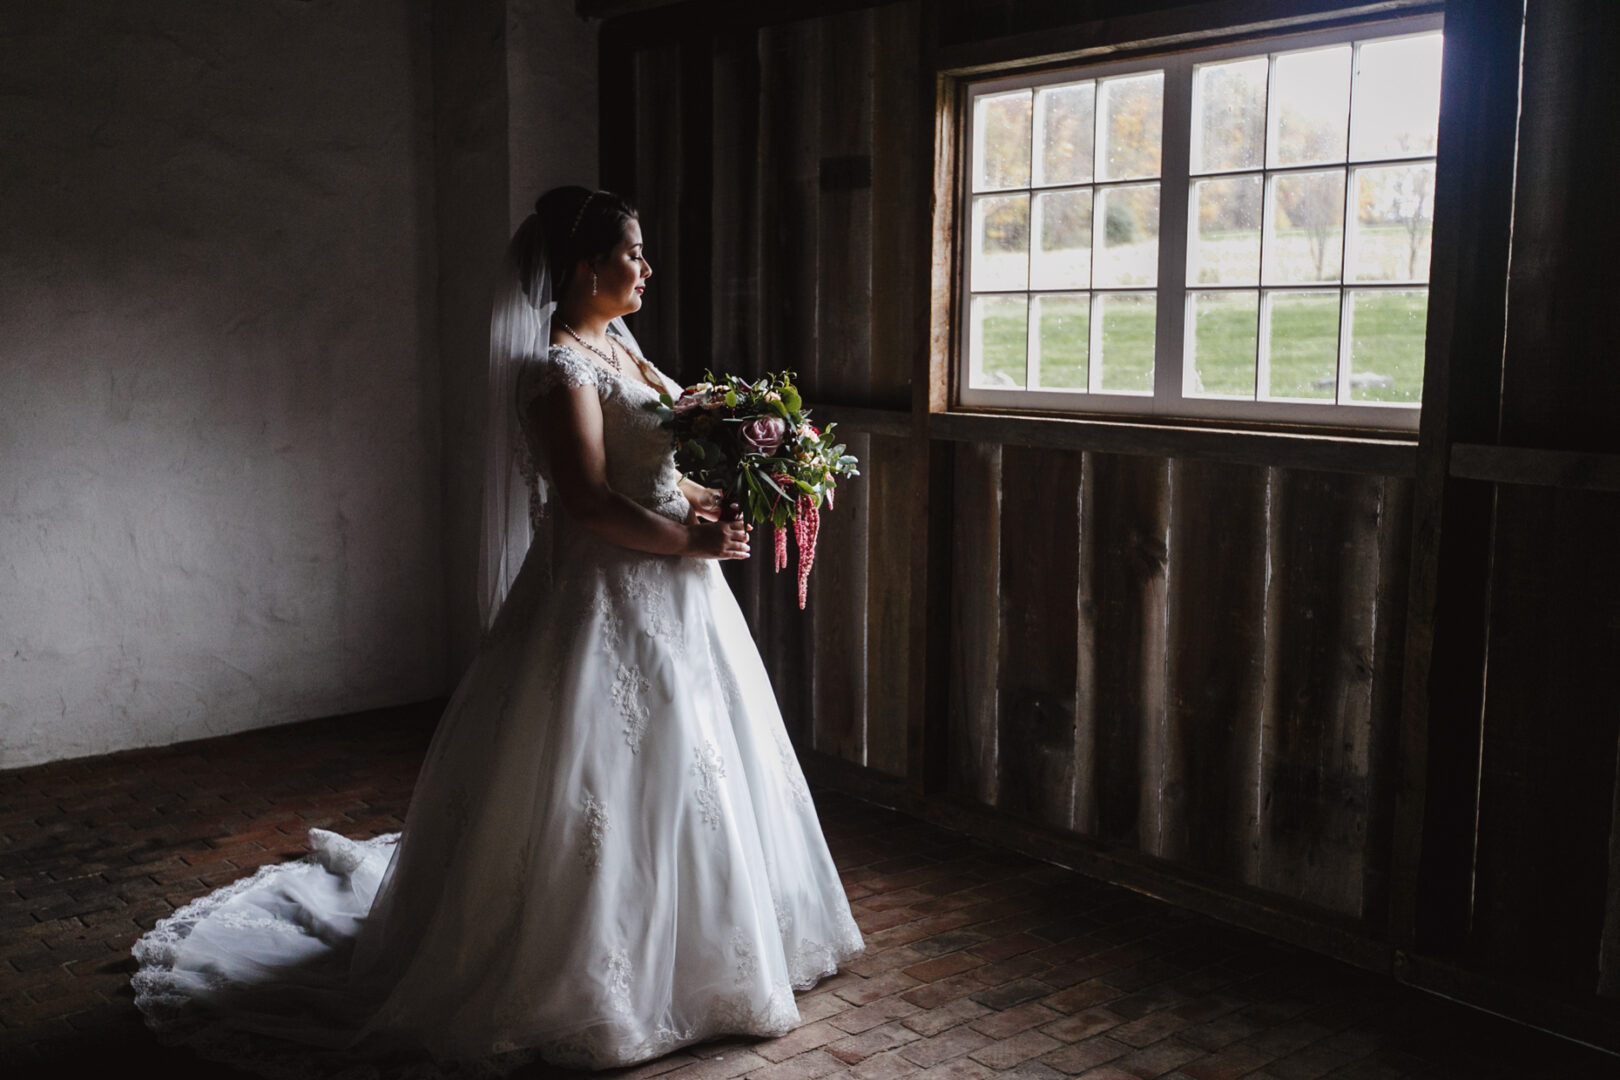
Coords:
622,275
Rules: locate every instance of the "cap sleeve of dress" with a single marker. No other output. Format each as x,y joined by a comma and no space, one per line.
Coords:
560,366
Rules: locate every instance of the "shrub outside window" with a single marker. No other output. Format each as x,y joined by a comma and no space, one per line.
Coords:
1233,233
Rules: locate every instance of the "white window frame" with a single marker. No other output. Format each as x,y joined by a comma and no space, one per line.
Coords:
1166,401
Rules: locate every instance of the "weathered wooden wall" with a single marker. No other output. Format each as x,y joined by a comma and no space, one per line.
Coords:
1189,659
1257,671
1186,659
1551,718
801,270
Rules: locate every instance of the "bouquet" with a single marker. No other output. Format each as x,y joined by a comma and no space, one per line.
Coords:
754,441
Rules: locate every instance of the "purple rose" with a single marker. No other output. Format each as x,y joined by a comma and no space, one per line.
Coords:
765,434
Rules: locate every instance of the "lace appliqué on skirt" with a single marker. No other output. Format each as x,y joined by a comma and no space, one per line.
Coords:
629,694
595,831
710,770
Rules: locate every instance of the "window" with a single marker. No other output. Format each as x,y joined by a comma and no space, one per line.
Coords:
1239,233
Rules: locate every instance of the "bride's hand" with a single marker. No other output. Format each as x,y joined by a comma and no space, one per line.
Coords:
720,540
705,502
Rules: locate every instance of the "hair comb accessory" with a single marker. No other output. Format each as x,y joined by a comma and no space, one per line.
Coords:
579,217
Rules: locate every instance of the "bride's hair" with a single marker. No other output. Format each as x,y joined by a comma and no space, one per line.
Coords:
569,224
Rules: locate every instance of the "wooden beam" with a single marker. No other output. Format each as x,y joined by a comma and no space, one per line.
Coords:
665,20
1536,468
1203,24
1443,684
1367,455
933,465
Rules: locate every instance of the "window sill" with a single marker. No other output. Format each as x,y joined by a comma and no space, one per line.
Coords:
1391,455
1387,454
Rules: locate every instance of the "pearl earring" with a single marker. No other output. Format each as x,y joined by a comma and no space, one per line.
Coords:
593,282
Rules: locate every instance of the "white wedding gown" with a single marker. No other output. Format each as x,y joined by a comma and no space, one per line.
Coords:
610,853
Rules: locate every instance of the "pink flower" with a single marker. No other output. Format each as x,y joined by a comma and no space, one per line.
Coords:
765,434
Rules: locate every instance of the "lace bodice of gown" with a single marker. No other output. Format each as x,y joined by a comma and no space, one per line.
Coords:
640,453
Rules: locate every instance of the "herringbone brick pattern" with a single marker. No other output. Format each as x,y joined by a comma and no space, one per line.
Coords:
980,963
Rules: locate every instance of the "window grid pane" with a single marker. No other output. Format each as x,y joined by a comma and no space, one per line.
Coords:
1038,314
1306,245
1060,341
1362,223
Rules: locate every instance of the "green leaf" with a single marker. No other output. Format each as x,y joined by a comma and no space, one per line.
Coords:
765,477
779,409
731,399
790,398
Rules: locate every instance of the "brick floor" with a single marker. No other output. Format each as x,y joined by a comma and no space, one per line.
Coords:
981,963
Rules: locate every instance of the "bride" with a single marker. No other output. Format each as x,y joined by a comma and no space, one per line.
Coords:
610,851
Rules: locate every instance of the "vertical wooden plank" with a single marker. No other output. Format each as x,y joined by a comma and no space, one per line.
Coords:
1325,566
1389,638
932,619
1473,223
1547,776
734,204
1036,677
1216,662
844,177
1153,742
975,581
1086,764
1127,589
838,599
842,365
886,477
895,271
932,324
789,142
899,265
1553,394
1550,720
734,208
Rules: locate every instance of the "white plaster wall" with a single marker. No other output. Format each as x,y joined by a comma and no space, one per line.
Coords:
219,396
516,105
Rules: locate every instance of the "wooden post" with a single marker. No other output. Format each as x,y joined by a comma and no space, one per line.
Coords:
1445,646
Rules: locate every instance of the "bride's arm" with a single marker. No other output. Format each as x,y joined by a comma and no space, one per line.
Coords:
570,425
